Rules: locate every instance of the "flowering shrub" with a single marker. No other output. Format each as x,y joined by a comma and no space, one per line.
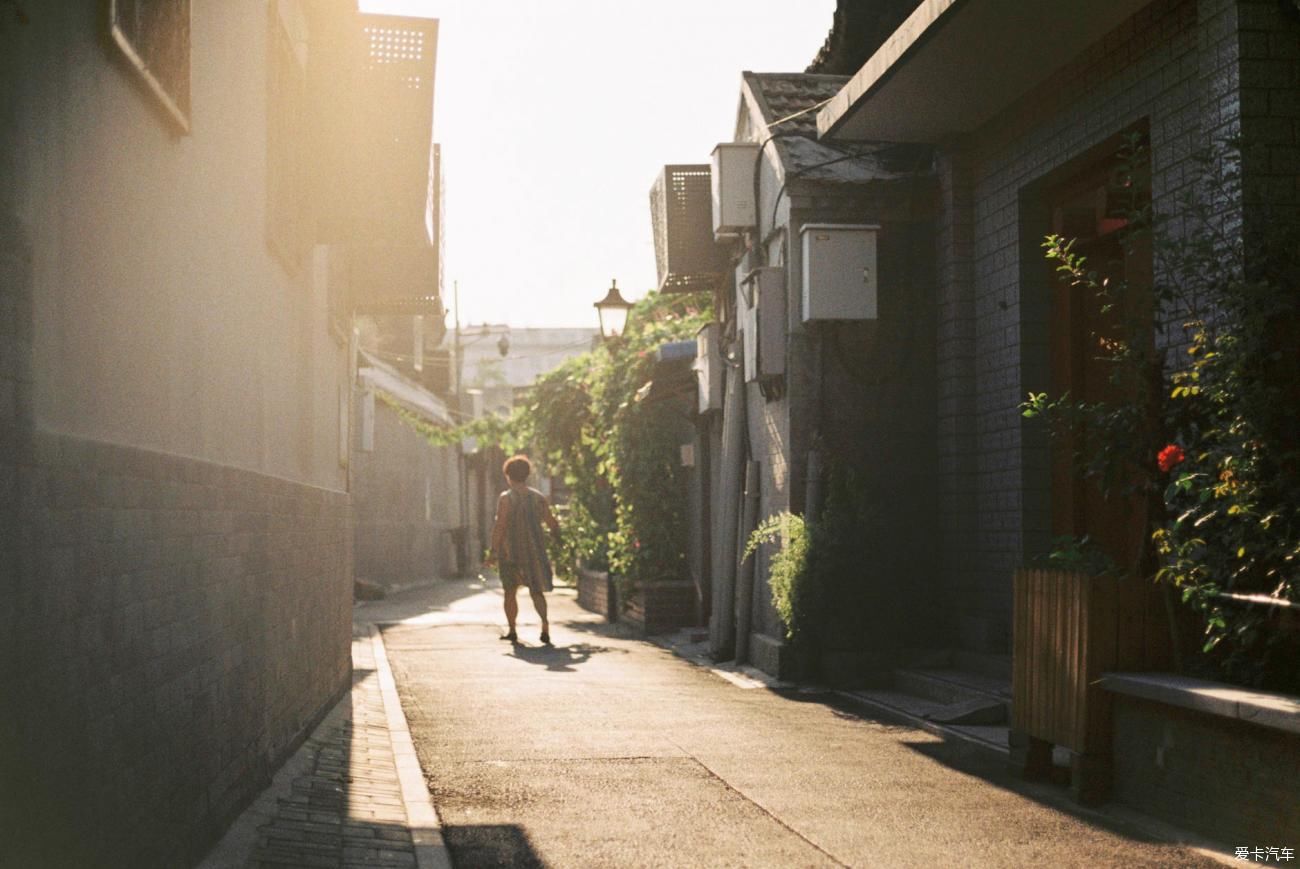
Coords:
1169,457
1225,488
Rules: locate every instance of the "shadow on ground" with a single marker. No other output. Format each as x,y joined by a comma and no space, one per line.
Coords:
964,758
421,600
561,659
482,845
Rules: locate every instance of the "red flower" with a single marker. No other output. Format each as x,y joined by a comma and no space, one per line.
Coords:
1170,456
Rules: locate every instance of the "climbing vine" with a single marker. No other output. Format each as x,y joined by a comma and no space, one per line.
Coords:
591,423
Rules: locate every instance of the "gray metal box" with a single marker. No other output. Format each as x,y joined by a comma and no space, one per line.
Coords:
839,271
763,293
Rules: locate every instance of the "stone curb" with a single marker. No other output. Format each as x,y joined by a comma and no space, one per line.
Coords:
426,830
337,833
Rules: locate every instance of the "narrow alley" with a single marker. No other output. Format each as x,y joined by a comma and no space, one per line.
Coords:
610,751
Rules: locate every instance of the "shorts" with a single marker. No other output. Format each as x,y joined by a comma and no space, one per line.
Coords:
512,576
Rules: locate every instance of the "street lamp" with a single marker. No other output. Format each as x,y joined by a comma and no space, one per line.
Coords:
612,310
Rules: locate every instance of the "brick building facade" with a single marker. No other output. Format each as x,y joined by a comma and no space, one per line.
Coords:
1188,76
968,153
175,526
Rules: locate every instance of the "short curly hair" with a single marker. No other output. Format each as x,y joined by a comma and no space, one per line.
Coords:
517,468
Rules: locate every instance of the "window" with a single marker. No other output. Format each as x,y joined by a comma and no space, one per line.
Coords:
154,36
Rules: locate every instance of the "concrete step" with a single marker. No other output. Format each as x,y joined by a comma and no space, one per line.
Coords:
956,694
994,666
918,712
950,685
980,711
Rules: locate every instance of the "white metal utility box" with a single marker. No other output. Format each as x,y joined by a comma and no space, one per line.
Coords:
709,370
839,271
762,317
733,188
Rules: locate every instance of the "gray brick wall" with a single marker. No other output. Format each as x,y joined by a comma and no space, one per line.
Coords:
993,288
404,498
1195,73
15,445
1267,42
1228,780
863,394
176,628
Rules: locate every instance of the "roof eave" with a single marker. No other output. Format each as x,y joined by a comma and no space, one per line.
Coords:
933,77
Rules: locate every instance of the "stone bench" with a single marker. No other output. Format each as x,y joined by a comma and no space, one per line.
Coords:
1215,759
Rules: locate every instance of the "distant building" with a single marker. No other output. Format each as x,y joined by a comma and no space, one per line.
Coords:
498,364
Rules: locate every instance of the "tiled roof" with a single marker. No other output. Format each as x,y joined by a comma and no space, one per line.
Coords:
782,94
778,96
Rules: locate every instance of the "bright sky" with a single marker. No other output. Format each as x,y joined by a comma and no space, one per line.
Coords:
556,117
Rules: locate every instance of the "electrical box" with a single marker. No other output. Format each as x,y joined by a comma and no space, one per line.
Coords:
762,315
708,368
733,188
839,271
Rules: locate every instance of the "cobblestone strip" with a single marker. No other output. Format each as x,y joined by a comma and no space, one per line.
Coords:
346,799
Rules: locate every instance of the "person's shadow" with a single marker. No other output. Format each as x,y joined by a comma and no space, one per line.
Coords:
559,659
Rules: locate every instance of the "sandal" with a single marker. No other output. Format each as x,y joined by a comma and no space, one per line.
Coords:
546,638
512,637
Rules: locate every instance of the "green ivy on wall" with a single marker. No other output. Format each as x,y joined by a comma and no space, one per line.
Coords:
615,451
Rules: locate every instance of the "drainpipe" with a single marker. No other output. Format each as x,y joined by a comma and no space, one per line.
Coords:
812,498
745,589
722,627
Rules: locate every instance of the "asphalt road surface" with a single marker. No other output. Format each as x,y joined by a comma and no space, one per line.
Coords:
608,751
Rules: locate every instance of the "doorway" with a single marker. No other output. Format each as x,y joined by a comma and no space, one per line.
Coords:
1095,208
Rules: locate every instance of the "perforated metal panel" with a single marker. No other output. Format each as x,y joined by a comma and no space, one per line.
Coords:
681,211
402,48
375,93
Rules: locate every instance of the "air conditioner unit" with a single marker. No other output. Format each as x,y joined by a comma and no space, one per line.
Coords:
733,188
709,371
685,255
762,317
839,271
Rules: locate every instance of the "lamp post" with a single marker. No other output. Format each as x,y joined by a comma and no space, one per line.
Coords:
612,311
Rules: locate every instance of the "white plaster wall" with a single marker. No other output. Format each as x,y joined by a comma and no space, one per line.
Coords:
162,320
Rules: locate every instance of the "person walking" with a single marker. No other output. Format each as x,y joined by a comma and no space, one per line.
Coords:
518,546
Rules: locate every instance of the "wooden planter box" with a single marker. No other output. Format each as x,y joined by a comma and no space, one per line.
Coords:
597,592
1069,629
661,607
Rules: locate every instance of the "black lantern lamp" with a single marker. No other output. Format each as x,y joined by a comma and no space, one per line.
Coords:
613,311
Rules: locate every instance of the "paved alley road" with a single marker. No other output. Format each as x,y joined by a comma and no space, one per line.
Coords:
608,751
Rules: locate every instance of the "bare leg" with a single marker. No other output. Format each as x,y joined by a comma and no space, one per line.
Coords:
512,607
539,604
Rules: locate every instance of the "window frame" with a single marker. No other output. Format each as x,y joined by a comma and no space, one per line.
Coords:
175,105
